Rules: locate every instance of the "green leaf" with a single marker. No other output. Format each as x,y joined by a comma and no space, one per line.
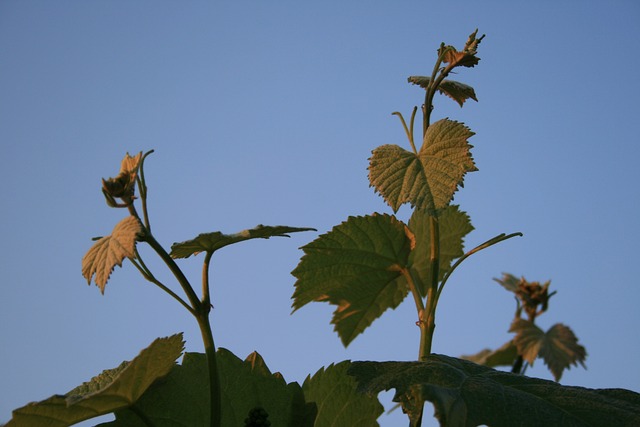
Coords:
429,179
558,347
112,390
338,402
457,91
466,394
110,251
182,398
211,242
504,356
454,225
356,266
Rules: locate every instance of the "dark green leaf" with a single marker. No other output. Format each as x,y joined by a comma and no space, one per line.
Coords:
113,389
211,242
558,347
338,402
356,266
465,394
454,225
182,398
429,179
457,91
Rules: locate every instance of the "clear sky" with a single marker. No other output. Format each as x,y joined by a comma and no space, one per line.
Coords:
266,113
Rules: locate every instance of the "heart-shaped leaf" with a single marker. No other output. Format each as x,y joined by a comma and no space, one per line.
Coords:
429,179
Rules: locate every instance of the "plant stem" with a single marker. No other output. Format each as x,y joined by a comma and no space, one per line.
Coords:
202,309
214,377
175,270
146,273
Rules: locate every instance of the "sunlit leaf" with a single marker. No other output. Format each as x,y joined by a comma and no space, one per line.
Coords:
503,356
355,267
338,401
110,251
211,242
457,91
558,347
429,179
465,58
454,225
123,185
111,390
466,394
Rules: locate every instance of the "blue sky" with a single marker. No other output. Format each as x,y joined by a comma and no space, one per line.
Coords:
266,113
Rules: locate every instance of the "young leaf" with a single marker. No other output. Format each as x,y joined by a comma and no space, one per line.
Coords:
504,356
429,179
509,282
454,225
123,185
110,251
113,389
338,402
211,242
467,57
466,394
181,399
558,347
356,266
457,91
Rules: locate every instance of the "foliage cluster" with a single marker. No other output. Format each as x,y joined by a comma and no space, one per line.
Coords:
363,266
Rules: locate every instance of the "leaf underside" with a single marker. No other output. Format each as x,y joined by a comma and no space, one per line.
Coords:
338,401
457,91
558,347
429,179
356,267
466,394
211,242
111,390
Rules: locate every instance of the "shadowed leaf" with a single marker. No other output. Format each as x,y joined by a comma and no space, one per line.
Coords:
465,394
211,242
338,402
355,267
454,225
457,91
429,179
182,398
111,390
110,251
558,347
504,356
